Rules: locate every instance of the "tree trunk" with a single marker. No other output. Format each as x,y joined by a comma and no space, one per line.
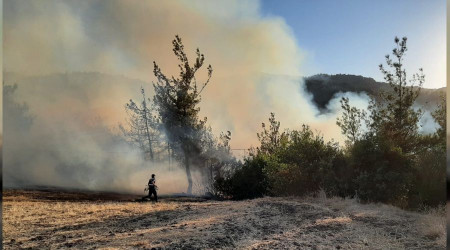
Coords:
147,130
148,134
188,173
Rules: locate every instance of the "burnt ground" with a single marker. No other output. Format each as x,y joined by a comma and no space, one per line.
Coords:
92,220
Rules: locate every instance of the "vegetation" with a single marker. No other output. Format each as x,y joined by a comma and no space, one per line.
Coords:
385,158
390,160
143,127
351,121
172,119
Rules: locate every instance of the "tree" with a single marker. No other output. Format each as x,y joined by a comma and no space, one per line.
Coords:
431,166
143,126
176,100
386,161
440,116
394,117
389,159
271,138
351,121
218,159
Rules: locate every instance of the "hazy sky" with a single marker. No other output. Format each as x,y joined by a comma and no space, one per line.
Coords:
352,37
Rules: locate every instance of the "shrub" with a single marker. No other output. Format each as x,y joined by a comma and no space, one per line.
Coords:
303,165
248,181
430,183
383,173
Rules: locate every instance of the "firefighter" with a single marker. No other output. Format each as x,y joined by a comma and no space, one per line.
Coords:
152,188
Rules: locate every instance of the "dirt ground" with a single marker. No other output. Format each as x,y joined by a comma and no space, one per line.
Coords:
50,219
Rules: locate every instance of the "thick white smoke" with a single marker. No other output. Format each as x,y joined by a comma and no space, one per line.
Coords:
50,43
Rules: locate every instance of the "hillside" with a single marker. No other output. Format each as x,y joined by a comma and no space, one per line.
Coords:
324,88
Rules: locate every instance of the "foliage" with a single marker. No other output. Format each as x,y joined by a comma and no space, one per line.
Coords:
394,118
271,138
440,116
431,166
351,121
218,159
286,163
302,164
392,162
430,182
388,161
382,173
170,121
246,182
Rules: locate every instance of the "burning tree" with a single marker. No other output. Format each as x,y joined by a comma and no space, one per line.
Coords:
176,101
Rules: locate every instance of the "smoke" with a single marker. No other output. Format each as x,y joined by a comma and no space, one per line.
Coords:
72,140
427,123
50,144
325,122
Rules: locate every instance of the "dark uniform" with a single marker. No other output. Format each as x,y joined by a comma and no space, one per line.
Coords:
152,188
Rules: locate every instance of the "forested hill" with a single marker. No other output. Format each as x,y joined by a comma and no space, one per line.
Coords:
324,87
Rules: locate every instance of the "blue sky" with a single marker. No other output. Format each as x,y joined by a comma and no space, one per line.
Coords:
352,37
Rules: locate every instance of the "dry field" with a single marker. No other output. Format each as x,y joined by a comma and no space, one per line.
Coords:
54,220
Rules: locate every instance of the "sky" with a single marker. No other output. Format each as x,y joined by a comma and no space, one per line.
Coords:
352,37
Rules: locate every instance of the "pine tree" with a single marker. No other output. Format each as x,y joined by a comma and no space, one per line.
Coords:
177,100
394,117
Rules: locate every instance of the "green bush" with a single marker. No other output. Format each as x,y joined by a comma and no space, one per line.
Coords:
304,164
248,181
297,162
383,173
429,181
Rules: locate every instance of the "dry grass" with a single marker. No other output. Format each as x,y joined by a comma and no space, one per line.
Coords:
28,223
267,223
337,220
432,224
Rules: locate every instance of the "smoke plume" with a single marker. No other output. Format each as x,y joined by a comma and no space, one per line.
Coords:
50,46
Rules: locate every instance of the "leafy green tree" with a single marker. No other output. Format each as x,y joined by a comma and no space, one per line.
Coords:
176,100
